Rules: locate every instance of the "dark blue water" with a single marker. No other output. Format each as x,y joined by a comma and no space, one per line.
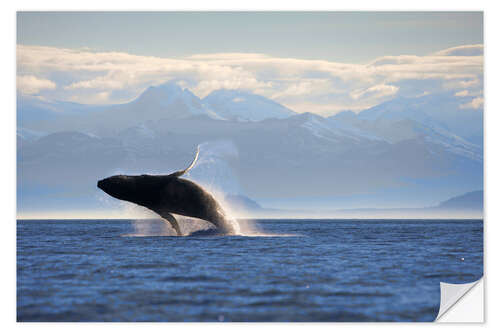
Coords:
332,270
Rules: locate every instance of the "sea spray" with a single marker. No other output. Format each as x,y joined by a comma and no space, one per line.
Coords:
213,172
213,169
145,222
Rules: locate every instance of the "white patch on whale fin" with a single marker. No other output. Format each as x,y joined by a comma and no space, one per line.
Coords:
182,172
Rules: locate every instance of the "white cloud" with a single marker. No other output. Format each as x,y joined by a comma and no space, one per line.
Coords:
100,82
380,90
227,56
462,93
475,104
30,84
463,50
303,85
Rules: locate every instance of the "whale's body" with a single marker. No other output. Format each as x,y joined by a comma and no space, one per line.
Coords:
167,195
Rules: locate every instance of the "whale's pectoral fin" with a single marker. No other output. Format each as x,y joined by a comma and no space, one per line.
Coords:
173,222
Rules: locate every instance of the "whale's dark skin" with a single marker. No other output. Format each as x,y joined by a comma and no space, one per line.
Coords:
167,195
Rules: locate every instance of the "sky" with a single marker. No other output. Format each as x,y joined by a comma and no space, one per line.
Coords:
353,37
321,62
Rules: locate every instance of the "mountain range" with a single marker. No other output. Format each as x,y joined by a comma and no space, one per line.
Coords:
465,206
408,151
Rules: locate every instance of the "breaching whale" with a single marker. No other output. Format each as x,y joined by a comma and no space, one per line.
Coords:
167,195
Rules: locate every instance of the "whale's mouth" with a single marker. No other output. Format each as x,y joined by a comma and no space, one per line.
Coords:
113,186
104,185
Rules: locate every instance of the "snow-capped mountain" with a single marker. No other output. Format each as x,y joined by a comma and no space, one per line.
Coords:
405,144
167,100
244,106
446,111
420,118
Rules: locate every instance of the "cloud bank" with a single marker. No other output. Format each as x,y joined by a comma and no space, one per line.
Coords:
30,84
318,86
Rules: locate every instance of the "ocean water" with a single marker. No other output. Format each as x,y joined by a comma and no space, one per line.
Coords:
295,270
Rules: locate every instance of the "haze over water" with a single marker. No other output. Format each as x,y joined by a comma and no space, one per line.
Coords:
325,270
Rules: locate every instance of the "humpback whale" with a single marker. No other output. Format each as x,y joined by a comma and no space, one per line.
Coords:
167,195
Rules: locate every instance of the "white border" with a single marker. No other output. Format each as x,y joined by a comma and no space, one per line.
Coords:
492,165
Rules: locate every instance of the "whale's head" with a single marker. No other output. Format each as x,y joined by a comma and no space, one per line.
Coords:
142,190
121,187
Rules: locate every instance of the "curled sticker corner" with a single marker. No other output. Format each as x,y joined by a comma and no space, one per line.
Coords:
452,294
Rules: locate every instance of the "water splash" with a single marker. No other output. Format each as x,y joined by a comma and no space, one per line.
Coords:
150,225
212,171
213,168
158,227
246,227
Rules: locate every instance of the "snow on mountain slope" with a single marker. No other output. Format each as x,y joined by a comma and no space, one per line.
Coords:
436,110
437,119
244,106
29,135
332,130
429,118
166,100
